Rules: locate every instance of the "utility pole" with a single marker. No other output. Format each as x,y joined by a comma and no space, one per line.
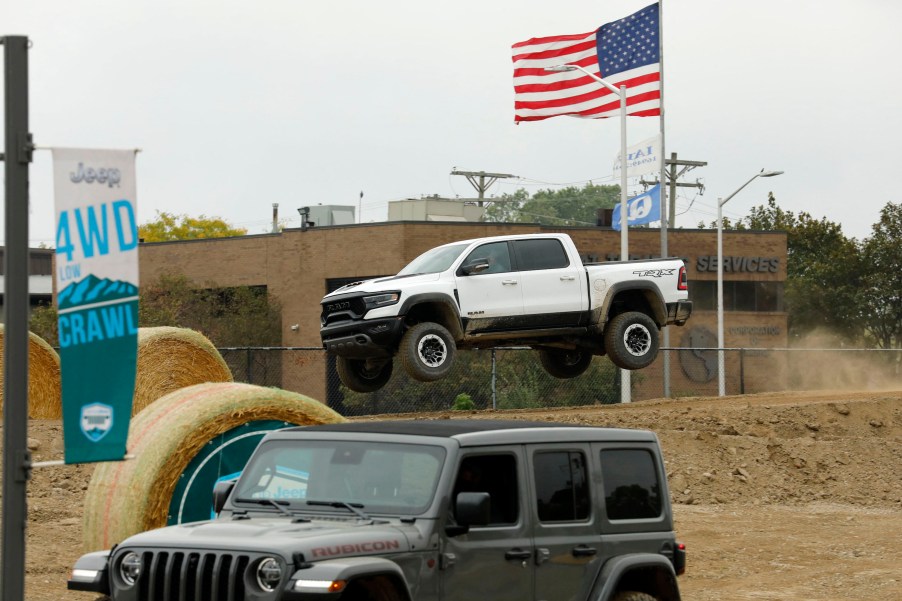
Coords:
672,176
481,185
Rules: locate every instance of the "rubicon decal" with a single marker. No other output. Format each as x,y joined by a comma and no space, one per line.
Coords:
367,547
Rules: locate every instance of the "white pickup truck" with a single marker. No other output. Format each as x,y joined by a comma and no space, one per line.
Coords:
528,290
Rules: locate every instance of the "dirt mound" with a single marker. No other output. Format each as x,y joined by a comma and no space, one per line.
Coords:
778,496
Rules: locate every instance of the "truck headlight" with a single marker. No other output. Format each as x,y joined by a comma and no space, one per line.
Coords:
269,574
130,568
381,300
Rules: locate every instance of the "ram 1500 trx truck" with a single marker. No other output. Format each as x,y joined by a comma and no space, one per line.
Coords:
527,290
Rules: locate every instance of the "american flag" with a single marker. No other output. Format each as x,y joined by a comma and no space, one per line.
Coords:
624,52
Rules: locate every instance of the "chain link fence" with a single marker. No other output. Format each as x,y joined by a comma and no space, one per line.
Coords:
513,378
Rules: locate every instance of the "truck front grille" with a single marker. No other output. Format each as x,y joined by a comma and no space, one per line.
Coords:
342,310
192,576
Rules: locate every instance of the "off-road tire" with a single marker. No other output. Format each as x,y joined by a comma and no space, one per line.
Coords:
427,351
356,375
565,364
633,596
631,340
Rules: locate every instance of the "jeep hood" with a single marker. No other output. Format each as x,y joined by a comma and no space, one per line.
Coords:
317,540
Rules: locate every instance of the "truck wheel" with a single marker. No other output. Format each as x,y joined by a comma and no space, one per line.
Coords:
427,351
362,376
565,364
631,340
633,596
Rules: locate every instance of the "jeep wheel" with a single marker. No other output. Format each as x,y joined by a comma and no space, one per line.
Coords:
633,596
427,352
631,340
361,375
565,364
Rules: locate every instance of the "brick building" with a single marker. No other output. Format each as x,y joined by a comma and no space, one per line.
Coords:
298,267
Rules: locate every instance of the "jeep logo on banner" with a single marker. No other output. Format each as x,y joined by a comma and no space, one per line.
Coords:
97,295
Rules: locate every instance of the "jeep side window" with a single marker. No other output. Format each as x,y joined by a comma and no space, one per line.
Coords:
562,491
631,487
498,255
496,475
543,253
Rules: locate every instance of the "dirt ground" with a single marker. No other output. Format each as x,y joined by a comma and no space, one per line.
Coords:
791,496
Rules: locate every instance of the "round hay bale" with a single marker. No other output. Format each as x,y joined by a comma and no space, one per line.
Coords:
44,392
173,358
128,497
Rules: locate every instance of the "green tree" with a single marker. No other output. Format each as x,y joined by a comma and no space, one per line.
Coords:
43,322
880,292
567,206
167,227
237,316
823,270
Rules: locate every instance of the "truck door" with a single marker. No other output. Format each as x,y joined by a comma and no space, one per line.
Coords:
566,532
554,288
491,299
492,562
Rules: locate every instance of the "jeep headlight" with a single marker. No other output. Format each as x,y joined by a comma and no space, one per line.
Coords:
130,568
381,300
269,574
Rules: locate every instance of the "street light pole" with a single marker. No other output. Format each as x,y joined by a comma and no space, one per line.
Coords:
625,392
721,377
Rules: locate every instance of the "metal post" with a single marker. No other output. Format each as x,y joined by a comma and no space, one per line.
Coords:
625,388
742,371
666,216
494,398
16,458
721,383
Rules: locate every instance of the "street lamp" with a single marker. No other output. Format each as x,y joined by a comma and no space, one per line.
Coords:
625,392
721,380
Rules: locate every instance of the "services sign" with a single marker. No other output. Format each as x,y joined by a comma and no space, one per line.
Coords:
97,296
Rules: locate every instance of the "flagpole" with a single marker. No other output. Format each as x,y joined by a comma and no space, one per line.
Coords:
665,218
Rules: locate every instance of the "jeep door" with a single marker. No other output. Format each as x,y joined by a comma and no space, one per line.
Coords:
566,531
492,562
490,299
554,284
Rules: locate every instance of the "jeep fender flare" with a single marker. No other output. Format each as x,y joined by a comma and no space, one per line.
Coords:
355,568
653,572
445,306
648,289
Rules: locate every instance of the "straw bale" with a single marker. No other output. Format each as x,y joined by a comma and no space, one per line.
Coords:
44,400
173,358
128,497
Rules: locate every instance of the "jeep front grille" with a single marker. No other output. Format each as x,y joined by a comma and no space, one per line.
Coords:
192,576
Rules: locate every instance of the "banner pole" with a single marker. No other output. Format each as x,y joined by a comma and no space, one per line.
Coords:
16,457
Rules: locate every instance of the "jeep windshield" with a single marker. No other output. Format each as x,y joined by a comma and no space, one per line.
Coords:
383,478
436,260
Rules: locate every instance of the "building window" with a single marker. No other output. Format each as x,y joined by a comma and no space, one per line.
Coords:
737,296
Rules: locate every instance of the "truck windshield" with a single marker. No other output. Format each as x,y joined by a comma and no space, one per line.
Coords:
383,478
436,260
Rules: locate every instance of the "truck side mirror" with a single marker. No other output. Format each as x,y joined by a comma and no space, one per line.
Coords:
475,266
221,493
473,508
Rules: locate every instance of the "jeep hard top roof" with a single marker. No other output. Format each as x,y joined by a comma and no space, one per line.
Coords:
475,432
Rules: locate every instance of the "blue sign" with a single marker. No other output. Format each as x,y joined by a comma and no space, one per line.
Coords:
641,209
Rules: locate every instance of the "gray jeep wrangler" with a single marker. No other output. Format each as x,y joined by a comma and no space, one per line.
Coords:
414,510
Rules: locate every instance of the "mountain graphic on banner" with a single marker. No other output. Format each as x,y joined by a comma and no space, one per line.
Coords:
94,290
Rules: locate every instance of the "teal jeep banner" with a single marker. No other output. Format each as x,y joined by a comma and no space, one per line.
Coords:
97,297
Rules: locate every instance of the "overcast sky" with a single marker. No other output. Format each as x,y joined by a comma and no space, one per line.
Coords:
237,105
